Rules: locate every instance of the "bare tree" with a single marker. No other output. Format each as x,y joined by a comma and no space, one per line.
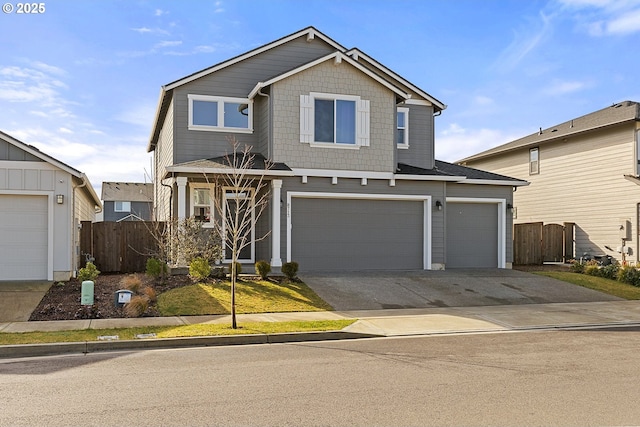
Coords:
243,196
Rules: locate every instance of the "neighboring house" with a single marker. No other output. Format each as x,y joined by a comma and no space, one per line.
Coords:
354,186
42,202
127,201
583,171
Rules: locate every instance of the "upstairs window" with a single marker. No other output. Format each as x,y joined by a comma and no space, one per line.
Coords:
334,120
214,113
402,131
534,161
122,207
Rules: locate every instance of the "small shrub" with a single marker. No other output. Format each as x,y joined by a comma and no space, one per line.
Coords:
218,273
150,293
90,272
290,269
577,266
263,268
610,271
592,269
238,269
199,268
132,282
630,275
156,268
137,306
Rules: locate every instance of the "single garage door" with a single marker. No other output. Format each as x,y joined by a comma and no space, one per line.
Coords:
472,235
356,234
24,245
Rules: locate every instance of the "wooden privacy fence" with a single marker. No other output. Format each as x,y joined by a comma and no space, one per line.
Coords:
122,247
537,243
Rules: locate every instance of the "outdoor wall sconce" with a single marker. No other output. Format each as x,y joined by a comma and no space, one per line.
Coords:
438,205
509,206
59,199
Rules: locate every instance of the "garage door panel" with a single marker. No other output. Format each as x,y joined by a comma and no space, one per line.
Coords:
24,245
354,234
472,235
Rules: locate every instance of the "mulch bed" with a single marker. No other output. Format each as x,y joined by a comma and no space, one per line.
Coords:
62,302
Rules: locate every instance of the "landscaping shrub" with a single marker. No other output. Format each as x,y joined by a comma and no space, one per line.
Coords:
137,306
577,266
630,275
592,270
610,271
132,282
156,268
238,269
263,268
199,268
290,269
150,293
90,272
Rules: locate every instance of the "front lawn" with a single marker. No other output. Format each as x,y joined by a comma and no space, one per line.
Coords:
607,286
252,296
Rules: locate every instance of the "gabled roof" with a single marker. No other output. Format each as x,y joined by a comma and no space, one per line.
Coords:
627,111
55,162
337,57
382,74
127,191
220,165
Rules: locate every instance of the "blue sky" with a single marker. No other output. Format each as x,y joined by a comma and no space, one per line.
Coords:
81,80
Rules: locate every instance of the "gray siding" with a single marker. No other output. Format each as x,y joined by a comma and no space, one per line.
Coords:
421,138
163,157
140,209
11,152
236,81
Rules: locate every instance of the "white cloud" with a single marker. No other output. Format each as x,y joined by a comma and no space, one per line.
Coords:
65,130
147,30
168,43
605,17
524,42
160,12
456,142
559,87
139,115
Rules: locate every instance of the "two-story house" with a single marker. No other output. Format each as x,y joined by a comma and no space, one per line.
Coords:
127,201
584,171
355,184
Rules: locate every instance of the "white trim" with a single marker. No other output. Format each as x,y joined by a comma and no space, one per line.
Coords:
418,102
405,111
330,173
310,32
212,207
201,170
181,182
426,200
276,194
332,56
220,101
50,221
501,205
495,182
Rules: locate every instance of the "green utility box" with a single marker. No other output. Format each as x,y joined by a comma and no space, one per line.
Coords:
86,296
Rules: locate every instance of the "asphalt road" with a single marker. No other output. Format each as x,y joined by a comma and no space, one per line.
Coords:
563,378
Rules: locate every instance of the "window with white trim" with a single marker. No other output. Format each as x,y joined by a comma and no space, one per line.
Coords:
122,206
241,205
222,114
201,203
402,131
534,161
334,120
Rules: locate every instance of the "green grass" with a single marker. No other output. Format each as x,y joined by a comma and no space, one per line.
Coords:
260,296
607,286
198,330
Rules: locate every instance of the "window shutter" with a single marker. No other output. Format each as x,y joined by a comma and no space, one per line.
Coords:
362,123
306,118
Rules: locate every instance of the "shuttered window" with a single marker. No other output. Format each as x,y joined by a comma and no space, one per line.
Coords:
341,120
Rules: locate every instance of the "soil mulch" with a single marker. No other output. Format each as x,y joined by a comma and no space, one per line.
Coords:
62,301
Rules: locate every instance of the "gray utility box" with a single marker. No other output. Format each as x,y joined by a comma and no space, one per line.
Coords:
123,296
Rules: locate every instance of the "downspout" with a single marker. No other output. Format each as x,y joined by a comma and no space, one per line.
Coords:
270,127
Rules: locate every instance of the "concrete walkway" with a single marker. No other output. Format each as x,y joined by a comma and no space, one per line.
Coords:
370,323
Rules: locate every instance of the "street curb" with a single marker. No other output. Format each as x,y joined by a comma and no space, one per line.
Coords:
51,349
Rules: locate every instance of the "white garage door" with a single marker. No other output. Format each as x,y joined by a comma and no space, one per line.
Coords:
24,241
356,234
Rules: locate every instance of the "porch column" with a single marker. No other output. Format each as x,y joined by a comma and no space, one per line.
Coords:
276,185
182,197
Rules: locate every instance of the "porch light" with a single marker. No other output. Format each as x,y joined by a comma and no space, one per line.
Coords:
59,199
438,205
509,206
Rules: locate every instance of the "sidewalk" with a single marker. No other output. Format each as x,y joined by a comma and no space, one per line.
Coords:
370,323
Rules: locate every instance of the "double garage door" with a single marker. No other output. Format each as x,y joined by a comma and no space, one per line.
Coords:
24,237
329,234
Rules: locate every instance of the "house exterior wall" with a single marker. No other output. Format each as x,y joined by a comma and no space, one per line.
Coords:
580,180
42,178
163,157
236,80
13,153
333,79
140,209
421,138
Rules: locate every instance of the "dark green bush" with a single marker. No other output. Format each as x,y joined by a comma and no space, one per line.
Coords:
609,271
89,272
630,275
156,268
263,268
199,268
290,269
577,266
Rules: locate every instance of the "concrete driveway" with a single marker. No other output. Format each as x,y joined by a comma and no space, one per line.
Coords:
450,288
19,299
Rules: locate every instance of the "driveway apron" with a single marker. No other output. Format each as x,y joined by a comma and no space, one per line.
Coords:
448,288
19,299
